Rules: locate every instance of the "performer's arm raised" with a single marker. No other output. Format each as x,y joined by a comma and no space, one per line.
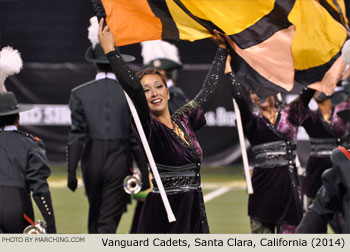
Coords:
214,77
237,91
125,75
300,106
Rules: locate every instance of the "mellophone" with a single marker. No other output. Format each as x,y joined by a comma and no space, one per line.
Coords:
34,228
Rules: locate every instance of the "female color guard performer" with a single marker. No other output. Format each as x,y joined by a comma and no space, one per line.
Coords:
326,131
171,138
272,134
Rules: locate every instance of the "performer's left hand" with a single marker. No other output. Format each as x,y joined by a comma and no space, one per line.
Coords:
72,182
106,38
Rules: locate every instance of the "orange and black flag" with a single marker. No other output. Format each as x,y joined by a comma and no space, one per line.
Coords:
274,43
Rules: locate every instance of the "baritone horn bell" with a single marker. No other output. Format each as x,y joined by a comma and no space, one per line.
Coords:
132,183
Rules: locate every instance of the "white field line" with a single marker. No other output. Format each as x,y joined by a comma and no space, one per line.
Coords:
62,183
214,194
240,184
234,185
221,188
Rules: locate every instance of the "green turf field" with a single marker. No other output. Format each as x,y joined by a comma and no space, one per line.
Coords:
227,213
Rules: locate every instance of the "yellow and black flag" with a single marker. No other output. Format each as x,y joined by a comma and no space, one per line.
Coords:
274,43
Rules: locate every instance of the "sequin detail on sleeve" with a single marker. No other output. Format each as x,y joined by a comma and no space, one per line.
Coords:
191,118
130,84
294,114
193,104
213,80
298,109
338,125
237,91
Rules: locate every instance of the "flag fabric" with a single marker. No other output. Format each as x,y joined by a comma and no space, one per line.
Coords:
337,9
274,43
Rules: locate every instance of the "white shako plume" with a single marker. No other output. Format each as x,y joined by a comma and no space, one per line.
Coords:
10,63
93,31
158,49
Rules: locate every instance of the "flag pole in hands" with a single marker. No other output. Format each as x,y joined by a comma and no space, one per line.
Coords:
228,69
243,148
171,216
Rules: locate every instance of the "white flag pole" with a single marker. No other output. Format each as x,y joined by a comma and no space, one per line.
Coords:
243,148
171,216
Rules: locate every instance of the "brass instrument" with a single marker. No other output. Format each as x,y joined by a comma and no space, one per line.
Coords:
132,183
38,228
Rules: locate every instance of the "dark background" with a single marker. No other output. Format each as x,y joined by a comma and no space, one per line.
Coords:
56,31
52,38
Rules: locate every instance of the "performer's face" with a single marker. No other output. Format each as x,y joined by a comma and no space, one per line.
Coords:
156,92
321,99
269,102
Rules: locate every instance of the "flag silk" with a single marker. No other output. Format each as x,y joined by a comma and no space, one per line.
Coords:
337,9
274,43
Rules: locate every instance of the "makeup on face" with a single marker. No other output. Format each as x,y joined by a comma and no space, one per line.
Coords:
156,92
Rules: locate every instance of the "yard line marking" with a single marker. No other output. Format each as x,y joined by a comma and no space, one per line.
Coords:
234,185
212,195
240,184
62,183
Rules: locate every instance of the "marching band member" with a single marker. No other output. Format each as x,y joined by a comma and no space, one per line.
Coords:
100,137
24,166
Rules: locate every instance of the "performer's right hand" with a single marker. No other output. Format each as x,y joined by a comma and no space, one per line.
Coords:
219,39
72,182
228,68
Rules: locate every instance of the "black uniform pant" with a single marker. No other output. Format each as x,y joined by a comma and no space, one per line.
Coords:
105,165
136,218
14,203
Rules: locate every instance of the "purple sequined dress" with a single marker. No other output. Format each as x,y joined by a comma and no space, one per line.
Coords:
324,137
276,199
180,161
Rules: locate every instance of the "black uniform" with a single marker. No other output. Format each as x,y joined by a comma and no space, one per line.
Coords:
23,168
177,98
100,137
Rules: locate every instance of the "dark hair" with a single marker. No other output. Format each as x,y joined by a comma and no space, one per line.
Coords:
149,70
104,67
168,74
8,119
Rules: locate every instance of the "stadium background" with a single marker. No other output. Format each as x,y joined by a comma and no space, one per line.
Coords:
52,39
